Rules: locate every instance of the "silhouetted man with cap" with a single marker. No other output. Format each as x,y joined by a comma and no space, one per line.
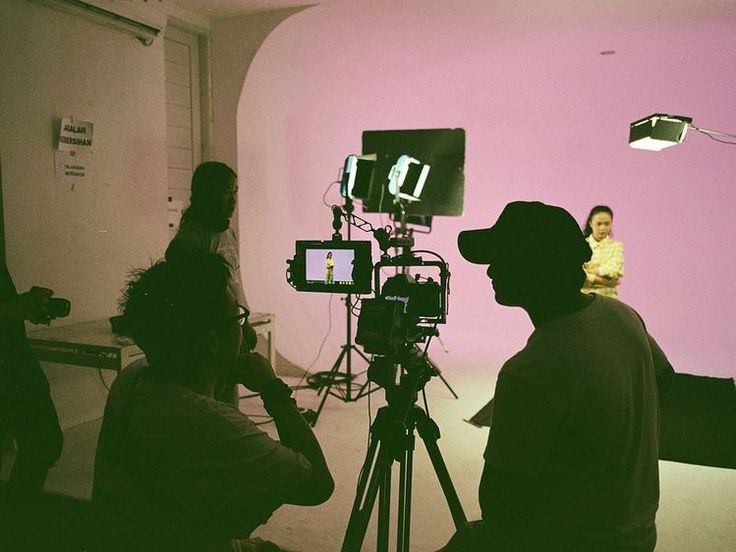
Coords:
571,462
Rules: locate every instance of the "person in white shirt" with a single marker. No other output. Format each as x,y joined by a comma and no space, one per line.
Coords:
605,269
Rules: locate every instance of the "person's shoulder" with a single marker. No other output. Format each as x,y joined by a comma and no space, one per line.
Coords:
190,237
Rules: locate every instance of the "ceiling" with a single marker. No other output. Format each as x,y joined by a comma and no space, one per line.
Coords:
224,8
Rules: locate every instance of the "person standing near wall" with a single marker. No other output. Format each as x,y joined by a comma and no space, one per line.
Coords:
205,224
205,228
26,408
605,269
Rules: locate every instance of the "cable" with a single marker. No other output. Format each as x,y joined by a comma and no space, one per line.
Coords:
324,195
307,372
713,133
102,379
430,253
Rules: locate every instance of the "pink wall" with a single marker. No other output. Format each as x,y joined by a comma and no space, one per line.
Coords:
546,118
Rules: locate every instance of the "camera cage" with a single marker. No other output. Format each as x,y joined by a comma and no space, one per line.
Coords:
419,293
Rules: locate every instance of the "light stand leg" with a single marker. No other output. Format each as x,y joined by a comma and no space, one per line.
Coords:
332,374
345,354
439,374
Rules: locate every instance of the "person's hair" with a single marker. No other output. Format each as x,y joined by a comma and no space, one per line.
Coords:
170,307
208,184
587,230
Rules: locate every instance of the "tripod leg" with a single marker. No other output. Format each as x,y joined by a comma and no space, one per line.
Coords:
403,529
369,485
429,433
384,512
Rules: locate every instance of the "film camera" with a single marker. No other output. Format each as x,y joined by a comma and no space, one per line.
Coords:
405,309
56,307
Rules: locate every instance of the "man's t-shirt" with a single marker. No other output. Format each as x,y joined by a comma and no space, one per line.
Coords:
178,469
576,415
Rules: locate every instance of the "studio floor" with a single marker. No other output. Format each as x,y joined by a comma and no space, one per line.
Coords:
696,511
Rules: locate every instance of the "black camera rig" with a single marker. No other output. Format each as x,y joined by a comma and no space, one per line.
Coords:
405,309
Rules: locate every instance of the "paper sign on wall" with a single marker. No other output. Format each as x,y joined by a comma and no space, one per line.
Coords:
74,155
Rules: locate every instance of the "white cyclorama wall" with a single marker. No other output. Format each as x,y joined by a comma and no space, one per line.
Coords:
80,242
546,113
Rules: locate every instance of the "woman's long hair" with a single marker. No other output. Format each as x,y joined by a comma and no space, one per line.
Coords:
208,185
587,230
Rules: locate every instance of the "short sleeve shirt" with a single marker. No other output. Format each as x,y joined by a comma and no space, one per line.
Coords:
577,410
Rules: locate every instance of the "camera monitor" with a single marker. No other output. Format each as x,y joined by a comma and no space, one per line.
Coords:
442,185
332,266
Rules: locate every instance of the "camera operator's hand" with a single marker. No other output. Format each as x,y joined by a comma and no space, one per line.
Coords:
33,305
253,371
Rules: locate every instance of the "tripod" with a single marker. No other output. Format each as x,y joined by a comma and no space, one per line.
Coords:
392,439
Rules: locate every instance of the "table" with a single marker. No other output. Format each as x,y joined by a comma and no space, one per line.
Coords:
94,344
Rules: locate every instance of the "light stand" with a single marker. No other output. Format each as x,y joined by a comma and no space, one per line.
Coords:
343,381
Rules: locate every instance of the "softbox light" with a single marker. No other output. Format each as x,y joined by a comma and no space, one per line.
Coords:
658,131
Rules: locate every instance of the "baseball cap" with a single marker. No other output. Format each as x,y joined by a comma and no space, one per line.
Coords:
527,229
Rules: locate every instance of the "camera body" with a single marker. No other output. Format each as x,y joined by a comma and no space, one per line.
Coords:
406,309
56,307
59,307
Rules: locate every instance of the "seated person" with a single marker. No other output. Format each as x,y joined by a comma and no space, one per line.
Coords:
175,468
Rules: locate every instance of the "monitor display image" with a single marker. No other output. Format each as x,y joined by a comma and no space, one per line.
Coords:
330,266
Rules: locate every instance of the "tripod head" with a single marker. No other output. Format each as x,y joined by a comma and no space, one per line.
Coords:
402,376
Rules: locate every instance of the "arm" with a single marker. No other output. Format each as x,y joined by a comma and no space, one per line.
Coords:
592,279
612,263
662,369
257,375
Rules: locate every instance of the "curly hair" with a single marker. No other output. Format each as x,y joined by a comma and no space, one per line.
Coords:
169,307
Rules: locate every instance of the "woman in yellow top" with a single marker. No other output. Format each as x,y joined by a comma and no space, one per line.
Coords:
605,269
329,268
